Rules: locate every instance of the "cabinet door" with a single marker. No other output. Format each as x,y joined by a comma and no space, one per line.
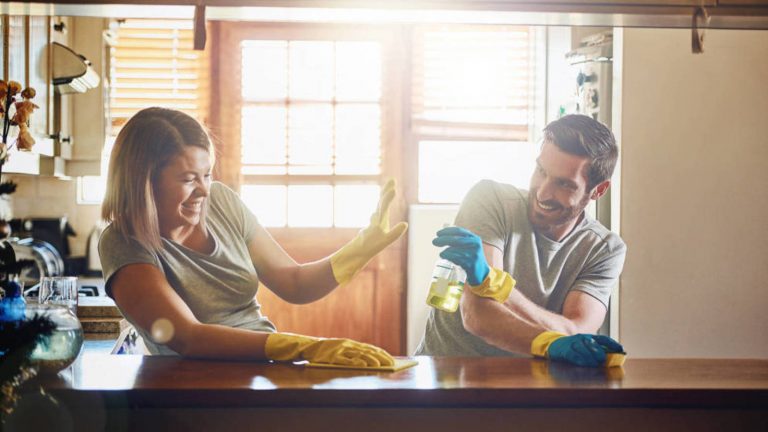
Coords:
26,59
369,308
40,75
14,46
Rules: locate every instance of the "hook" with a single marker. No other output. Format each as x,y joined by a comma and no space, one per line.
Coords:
199,27
700,19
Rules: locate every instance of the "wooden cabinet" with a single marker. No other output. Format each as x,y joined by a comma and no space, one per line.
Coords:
27,58
88,109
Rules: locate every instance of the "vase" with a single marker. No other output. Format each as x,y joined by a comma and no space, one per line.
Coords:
59,350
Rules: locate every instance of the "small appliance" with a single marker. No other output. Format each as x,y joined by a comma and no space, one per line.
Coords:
53,230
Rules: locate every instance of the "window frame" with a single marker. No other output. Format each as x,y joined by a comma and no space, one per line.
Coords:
479,131
227,62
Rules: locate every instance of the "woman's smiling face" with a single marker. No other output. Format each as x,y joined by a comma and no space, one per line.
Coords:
181,189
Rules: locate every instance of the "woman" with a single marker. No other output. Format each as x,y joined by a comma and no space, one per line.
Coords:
183,256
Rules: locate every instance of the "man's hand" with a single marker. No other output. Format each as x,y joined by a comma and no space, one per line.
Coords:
579,349
465,249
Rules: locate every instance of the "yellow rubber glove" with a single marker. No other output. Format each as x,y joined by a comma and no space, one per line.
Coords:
497,285
288,346
353,256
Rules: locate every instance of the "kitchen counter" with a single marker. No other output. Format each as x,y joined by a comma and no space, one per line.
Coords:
144,393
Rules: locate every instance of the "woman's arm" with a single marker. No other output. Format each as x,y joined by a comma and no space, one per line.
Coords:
305,283
158,310
293,282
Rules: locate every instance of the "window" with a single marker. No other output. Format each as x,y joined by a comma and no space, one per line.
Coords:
447,169
473,107
151,63
311,130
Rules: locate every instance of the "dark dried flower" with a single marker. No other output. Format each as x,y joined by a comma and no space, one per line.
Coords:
14,87
28,93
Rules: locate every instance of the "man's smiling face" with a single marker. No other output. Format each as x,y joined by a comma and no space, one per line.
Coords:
559,191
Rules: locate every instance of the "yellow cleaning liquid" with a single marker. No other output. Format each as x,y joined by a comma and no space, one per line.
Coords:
445,295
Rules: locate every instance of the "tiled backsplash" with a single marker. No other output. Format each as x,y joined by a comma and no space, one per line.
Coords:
54,197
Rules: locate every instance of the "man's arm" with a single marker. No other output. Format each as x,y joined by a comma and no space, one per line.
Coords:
497,325
582,313
514,325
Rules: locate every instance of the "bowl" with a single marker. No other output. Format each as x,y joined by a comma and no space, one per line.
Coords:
59,350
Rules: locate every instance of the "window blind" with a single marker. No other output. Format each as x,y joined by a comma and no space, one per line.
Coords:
152,63
472,82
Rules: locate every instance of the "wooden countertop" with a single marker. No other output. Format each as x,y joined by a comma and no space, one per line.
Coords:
171,382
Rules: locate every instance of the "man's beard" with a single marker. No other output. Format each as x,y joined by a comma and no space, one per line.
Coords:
547,224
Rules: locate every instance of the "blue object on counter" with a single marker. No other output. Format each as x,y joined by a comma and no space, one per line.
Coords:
12,306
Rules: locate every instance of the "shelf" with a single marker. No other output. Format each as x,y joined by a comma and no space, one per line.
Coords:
731,14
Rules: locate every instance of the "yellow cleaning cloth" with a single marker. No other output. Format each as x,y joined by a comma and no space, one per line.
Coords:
615,359
400,364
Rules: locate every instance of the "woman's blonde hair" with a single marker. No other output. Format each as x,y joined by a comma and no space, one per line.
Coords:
147,142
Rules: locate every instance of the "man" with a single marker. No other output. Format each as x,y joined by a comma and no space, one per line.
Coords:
539,269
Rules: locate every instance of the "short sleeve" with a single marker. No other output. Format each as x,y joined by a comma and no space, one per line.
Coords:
235,210
482,212
599,277
116,252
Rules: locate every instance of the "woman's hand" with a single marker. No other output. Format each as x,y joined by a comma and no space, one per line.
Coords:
353,256
288,346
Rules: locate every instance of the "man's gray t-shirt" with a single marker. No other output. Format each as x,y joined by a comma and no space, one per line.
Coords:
220,287
589,259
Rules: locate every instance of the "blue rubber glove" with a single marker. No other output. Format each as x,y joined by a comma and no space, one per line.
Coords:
579,349
465,249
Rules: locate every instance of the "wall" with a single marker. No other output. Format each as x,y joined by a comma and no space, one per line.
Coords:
54,197
695,171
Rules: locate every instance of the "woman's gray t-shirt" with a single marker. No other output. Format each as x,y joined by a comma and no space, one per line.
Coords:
589,259
220,287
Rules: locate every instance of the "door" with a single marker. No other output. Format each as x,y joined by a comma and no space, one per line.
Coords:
309,130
